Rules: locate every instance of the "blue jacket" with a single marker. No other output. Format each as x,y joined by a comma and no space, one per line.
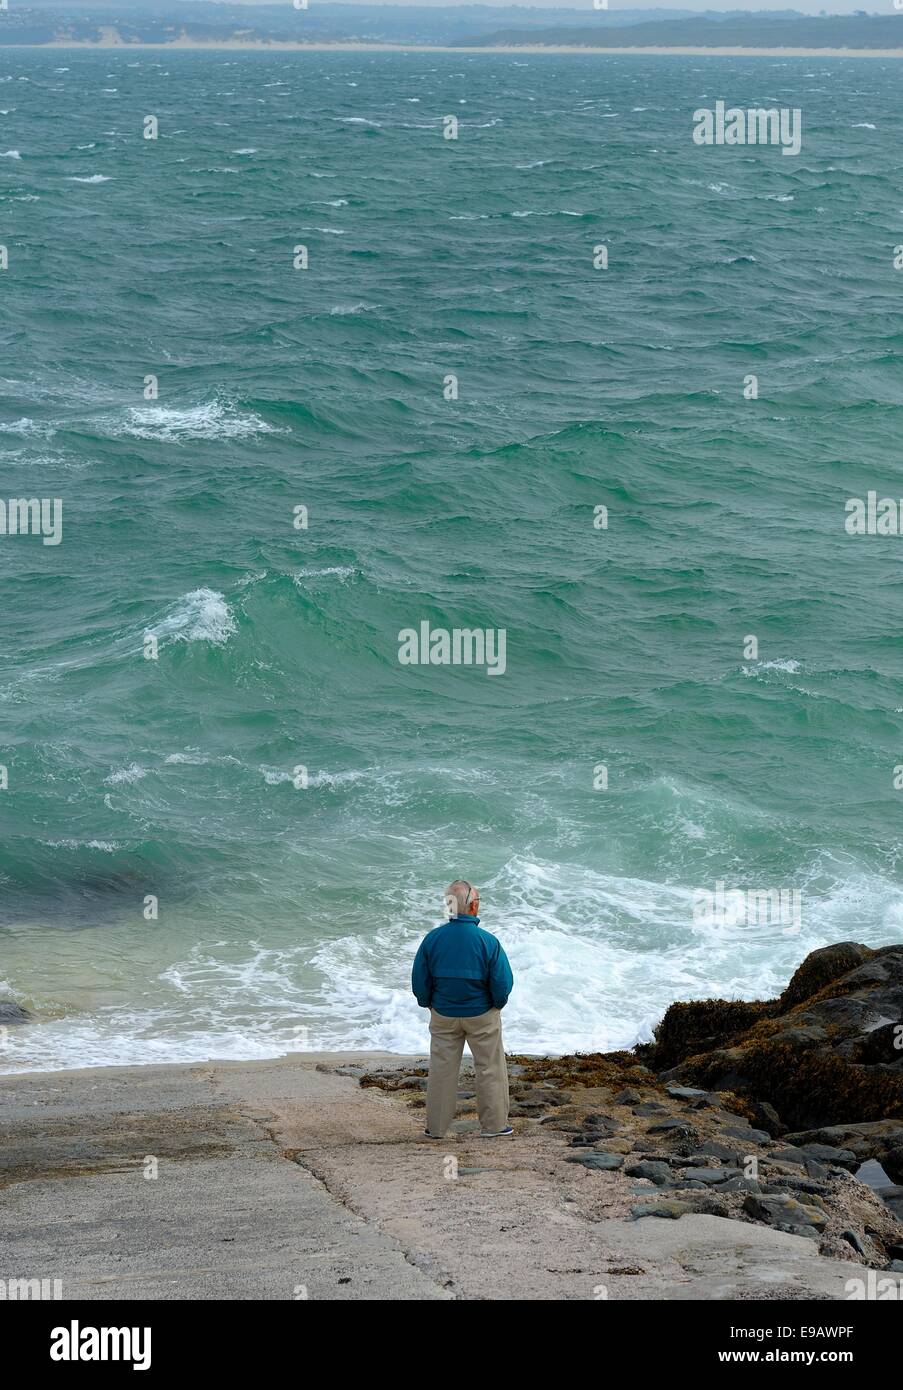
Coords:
460,970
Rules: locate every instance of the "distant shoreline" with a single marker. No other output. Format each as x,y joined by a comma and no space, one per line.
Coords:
278,46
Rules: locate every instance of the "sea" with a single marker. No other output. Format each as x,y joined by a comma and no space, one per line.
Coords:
303,364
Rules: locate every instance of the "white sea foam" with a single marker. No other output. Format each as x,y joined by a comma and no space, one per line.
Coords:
211,420
105,846
28,428
133,773
89,178
597,959
788,665
342,571
201,616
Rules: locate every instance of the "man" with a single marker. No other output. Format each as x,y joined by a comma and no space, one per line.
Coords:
462,975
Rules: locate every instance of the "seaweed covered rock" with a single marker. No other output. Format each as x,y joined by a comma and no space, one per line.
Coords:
698,1027
826,1052
820,968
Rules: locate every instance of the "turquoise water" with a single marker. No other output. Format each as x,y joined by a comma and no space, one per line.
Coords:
288,916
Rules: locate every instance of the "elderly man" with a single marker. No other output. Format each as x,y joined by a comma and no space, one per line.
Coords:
462,975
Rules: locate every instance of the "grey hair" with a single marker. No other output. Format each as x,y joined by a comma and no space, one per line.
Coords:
458,896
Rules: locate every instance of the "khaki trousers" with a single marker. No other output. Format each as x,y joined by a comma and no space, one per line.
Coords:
483,1035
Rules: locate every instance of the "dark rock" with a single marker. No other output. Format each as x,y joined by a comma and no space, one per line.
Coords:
868,1139
659,1173
818,1055
685,1092
714,1149
650,1107
767,1118
828,1153
741,1184
628,1097
747,1135
783,1182
896,1266
673,1125
892,1163
670,1209
852,1239
603,1162
788,1155
821,968
11,1012
892,1197
785,1213
711,1176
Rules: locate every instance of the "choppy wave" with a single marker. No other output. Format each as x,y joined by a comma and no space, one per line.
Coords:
201,616
210,420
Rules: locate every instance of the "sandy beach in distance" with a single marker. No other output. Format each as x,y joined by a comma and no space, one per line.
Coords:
286,47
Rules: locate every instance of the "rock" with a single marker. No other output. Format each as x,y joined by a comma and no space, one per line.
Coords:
896,1266
727,1153
601,1122
820,968
741,1184
818,1055
767,1118
671,1210
710,1176
892,1163
11,1012
869,1139
673,1125
828,1153
788,1155
852,1239
603,1162
785,1213
684,1092
808,1185
892,1197
628,1097
659,1173
650,1107
746,1135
